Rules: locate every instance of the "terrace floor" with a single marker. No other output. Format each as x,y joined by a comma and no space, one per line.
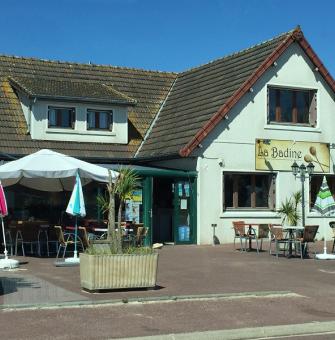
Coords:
183,270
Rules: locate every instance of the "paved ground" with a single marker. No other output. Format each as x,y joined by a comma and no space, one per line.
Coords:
200,288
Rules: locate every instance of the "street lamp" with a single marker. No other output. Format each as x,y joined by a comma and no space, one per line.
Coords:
301,170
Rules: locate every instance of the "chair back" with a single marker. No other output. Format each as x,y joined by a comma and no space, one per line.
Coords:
263,231
239,228
84,237
8,237
141,234
332,225
276,232
59,233
310,233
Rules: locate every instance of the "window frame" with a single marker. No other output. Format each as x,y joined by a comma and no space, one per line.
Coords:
97,115
72,117
272,176
313,106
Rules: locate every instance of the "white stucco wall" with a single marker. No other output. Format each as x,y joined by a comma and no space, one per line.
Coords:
233,142
39,123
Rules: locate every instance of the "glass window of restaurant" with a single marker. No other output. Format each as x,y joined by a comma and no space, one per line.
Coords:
249,191
29,204
132,209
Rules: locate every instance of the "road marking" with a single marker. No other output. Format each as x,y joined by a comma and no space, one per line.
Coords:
327,271
255,333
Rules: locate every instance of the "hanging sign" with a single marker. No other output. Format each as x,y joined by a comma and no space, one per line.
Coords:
272,154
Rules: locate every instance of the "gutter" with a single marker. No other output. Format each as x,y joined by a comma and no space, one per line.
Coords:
97,160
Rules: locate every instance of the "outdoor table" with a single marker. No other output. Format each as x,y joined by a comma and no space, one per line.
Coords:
291,230
250,231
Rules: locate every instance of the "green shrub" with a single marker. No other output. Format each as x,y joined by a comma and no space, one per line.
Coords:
107,249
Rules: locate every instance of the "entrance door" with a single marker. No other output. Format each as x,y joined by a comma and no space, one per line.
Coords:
162,210
184,210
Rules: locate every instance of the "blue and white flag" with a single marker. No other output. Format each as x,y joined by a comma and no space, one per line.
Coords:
76,206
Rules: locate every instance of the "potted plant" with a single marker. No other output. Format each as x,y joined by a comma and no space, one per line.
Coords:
289,209
113,266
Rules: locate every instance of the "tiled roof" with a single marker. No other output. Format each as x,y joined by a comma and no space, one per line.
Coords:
148,88
197,95
69,89
174,112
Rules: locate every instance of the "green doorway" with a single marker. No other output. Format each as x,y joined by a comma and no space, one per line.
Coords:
162,210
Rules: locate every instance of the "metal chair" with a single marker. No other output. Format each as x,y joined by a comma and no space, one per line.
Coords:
65,240
140,236
263,233
42,238
307,237
277,237
84,236
239,233
9,242
332,225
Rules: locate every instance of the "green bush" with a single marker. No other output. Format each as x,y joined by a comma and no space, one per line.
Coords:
107,249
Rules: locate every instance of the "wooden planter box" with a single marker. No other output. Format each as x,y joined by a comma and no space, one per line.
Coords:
118,271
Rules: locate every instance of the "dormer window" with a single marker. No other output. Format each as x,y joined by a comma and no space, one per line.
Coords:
61,117
99,120
291,106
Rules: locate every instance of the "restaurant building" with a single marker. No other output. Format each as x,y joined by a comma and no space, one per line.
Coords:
212,144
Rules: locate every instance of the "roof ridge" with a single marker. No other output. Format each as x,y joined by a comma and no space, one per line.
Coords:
239,52
56,79
87,65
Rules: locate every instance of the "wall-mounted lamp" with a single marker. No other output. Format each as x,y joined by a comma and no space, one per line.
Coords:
221,162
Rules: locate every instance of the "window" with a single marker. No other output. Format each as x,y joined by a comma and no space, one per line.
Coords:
61,117
315,184
289,106
248,191
99,120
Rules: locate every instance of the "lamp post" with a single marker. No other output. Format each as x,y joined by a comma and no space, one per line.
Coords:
301,171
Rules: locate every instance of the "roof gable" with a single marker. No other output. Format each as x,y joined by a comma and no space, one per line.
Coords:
203,96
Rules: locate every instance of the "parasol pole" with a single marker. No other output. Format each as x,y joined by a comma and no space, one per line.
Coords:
75,253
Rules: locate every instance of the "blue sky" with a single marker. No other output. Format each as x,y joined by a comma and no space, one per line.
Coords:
171,35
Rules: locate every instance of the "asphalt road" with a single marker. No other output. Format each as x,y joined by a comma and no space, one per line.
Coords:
147,319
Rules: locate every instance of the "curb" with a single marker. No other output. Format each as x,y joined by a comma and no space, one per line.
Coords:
147,300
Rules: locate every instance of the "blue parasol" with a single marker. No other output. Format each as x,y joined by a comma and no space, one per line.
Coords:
76,207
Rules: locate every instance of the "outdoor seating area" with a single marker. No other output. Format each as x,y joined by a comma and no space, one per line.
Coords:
291,241
40,239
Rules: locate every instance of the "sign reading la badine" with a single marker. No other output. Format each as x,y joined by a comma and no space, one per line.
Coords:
271,154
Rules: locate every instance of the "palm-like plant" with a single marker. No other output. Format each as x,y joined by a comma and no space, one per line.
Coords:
123,187
289,209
